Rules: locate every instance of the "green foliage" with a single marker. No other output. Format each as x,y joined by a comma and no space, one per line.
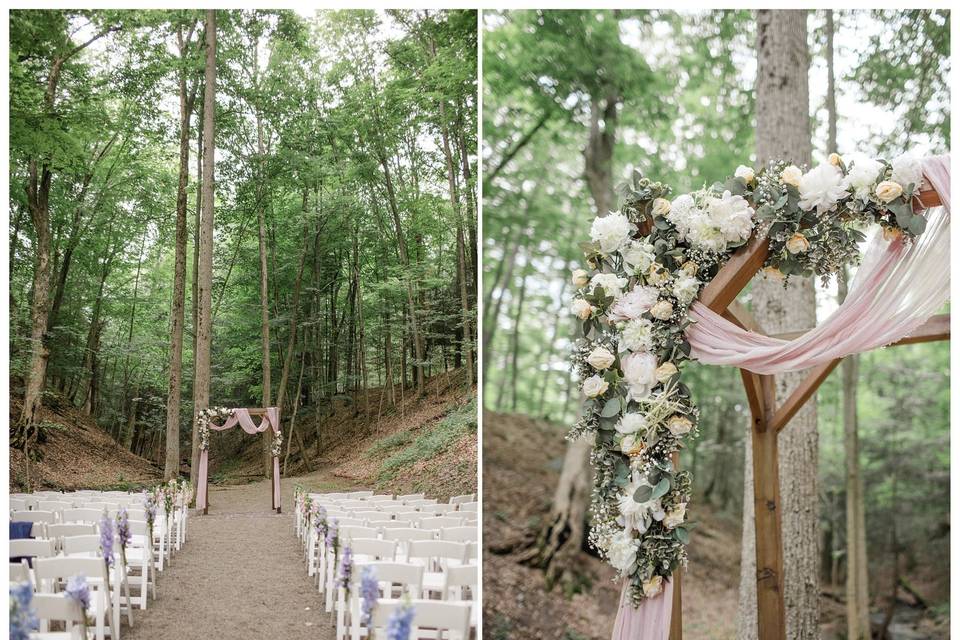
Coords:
389,443
457,423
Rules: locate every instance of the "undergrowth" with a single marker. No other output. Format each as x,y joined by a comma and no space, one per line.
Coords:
457,423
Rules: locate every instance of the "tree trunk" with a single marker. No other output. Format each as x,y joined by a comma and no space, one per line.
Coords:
267,438
201,386
171,467
783,132
294,317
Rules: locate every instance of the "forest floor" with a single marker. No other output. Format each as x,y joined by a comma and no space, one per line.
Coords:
78,454
522,461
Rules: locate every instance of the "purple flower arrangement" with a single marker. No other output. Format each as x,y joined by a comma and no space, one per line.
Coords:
332,538
369,592
150,506
106,539
23,619
346,568
79,591
400,621
123,527
320,518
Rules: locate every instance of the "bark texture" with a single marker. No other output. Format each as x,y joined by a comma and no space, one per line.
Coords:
783,132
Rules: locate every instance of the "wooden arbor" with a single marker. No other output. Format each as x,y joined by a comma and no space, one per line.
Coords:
768,420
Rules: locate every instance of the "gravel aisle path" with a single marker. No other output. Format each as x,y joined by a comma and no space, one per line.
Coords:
239,576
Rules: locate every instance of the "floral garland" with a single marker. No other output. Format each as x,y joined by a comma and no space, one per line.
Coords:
648,263
204,417
277,444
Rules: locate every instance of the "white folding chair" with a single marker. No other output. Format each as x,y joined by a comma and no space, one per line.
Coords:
459,534
450,620
456,579
440,522
390,576
82,514
438,509
411,496
50,572
468,507
368,515
18,504
371,549
435,556
59,607
140,569
32,548
380,499
20,572
470,497
89,547
348,532
42,518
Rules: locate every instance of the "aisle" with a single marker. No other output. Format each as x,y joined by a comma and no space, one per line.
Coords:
239,576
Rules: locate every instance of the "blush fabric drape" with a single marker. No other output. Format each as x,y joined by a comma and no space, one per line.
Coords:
896,289
241,417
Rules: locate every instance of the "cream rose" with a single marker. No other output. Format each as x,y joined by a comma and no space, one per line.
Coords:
888,191
773,273
891,233
652,586
595,386
600,359
744,172
675,516
834,159
690,268
638,256
791,175
582,309
661,207
662,310
580,278
657,275
679,425
798,243
666,371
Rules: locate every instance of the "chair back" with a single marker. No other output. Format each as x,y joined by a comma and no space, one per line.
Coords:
451,617
407,576
411,496
456,578
375,549
459,534
88,544
368,515
57,607
49,570
440,522
350,532
438,550
19,572
470,507
47,517
29,548
71,529
406,535
83,514
470,497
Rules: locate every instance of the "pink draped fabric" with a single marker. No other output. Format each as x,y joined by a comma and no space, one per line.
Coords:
242,417
649,621
896,289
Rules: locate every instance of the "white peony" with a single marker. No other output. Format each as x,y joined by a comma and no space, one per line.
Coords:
622,551
821,188
633,304
685,288
705,235
640,374
632,423
600,359
582,309
637,256
744,172
675,516
612,284
907,170
595,386
863,174
732,215
638,516
637,335
610,231
580,278
682,212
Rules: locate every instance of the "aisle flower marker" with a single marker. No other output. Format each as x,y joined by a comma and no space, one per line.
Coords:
647,264
369,593
78,590
23,618
401,621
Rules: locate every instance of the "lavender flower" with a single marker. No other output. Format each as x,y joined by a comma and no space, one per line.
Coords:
79,591
320,520
123,527
150,506
106,539
346,568
23,619
332,535
369,592
398,626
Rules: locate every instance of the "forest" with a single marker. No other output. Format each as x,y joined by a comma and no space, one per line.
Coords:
238,209
574,103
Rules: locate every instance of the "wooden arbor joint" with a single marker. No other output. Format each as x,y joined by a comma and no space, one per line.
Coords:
768,420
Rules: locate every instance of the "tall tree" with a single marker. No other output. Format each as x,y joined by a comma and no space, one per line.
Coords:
783,132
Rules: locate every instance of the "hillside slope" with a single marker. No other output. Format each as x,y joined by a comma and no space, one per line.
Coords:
78,454
426,444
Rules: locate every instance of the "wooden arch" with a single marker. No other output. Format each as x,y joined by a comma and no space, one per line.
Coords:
768,420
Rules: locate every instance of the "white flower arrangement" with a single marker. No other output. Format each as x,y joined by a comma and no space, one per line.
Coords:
204,417
277,446
646,265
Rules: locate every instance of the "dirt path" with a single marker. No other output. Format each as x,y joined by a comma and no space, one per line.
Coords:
240,575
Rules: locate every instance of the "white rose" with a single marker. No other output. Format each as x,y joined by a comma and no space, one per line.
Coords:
661,207
582,309
633,304
675,516
580,278
798,243
791,175
685,288
637,335
666,371
631,423
861,177
679,425
622,551
821,188
640,374
744,172
612,284
595,386
888,191
610,231
662,310
638,256
652,586
600,359
906,171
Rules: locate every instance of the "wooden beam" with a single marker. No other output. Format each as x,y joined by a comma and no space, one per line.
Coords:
801,394
735,274
771,614
676,615
926,199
